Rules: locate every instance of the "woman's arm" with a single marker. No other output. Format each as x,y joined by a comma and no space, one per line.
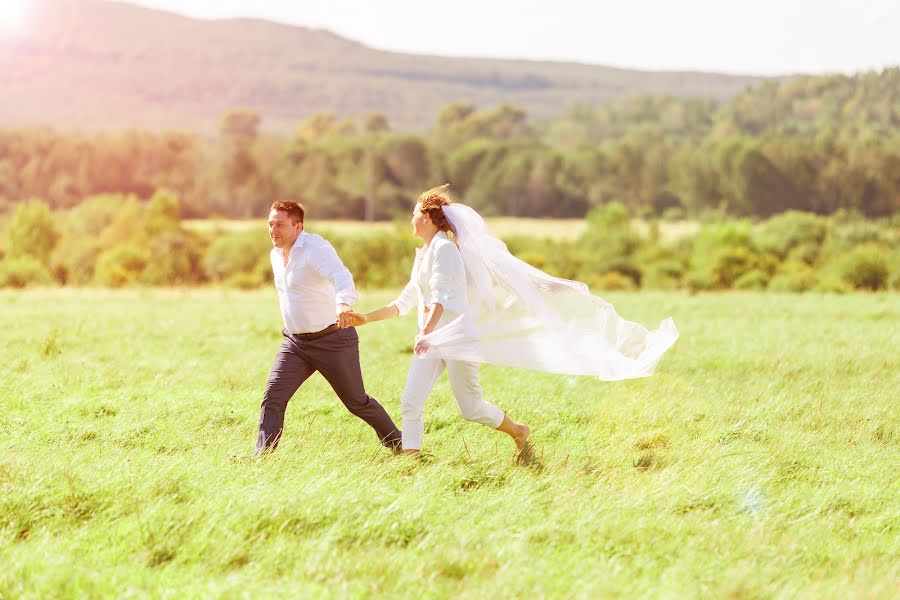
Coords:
435,315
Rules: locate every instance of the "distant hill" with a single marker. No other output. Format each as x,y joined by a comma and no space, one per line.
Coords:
94,64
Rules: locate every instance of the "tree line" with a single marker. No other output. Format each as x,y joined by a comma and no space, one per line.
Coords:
115,241
818,144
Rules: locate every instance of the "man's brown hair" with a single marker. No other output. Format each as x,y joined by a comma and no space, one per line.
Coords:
293,209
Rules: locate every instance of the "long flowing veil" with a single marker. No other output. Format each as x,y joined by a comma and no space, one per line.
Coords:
520,316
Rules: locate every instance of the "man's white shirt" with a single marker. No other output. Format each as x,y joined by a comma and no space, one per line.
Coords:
312,284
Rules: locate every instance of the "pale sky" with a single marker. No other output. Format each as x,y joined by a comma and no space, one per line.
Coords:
737,36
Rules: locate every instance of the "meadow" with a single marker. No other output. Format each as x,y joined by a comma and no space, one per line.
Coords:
760,461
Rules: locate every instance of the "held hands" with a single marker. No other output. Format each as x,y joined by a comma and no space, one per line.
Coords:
357,319
344,316
347,317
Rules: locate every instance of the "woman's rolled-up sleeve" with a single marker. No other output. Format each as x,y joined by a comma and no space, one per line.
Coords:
448,277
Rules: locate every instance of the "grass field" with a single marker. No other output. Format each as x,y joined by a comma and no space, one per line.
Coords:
504,227
761,460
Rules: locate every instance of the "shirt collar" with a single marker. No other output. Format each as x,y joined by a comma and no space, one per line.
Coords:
439,234
424,249
301,239
298,243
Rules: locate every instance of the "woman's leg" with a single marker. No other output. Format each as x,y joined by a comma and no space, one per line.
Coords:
423,373
473,406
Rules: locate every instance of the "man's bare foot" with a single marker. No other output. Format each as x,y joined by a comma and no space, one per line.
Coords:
413,452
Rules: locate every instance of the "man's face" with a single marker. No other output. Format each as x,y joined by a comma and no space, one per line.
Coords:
282,230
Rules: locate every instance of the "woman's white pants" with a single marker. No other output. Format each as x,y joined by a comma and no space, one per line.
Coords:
423,373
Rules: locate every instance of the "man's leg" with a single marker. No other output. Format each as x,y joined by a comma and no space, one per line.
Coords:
289,370
336,357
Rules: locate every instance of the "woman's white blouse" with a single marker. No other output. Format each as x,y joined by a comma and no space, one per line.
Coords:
438,277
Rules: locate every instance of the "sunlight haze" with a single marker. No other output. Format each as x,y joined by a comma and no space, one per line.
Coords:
759,37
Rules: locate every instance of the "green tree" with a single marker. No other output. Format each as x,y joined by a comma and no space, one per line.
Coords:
32,232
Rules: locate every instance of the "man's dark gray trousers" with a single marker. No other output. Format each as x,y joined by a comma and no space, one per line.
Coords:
336,357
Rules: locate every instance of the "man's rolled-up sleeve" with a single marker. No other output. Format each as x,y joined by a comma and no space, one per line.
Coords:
328,264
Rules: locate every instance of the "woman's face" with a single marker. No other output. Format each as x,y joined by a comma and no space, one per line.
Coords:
422,225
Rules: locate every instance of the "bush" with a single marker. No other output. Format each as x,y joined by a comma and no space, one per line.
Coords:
844,238
243,281
163,213
721,253
121,265
234,253
785,232
673,214
665,275
793,277
612,281
894,266
831,283
377,260
725,265
752,280
23,272
700,282
536,260
864,267
807,252
74,260
32,231
175,259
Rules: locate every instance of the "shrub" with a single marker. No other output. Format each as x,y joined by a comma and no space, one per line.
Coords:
844,238
673,214
163,213
807,252
721,253
752,280
612,281
32,231
74,259
664,275
234,253
864,267
243,281
534,259
793,277
831,283
377,260
725,265
121,265
783,233
175,259
700,282
91,217
894,266
22,272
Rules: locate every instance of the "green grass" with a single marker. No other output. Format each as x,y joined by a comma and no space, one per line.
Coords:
761,460
504,227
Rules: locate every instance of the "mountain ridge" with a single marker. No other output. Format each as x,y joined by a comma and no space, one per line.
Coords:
100,65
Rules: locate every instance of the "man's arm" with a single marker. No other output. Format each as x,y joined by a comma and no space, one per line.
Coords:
328,264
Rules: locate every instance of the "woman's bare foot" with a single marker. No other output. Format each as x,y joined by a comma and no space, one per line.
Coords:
521,437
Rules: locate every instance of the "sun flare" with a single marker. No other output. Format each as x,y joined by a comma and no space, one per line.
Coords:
12,15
